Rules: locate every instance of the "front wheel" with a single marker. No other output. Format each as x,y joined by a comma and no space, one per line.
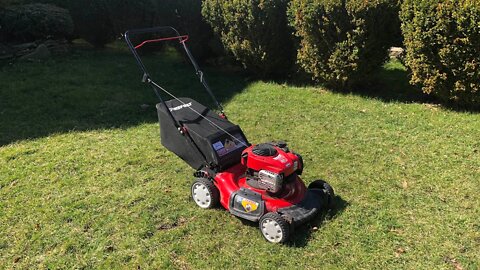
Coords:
274,228
204,193
327,188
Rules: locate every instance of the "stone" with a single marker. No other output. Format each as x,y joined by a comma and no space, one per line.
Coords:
24,46
5,52
396,52
57,47
40,53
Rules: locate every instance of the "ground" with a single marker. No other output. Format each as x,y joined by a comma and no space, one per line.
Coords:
85,182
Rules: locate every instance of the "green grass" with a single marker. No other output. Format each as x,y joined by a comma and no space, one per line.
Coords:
85,182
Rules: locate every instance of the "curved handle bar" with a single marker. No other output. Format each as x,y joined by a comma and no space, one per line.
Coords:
182,39
133,48
146,76
149,30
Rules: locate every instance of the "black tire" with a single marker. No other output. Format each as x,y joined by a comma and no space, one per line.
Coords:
327,188
274,228
204,193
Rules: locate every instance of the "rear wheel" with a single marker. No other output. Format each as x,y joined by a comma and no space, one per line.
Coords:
327,188
204,193
274,228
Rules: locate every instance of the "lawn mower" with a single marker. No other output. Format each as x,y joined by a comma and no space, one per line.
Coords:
260,183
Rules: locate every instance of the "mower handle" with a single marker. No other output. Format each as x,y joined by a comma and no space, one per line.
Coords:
150,30
133,48
182,39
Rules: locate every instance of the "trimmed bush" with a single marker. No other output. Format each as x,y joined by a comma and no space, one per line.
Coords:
442,38
101,21
127,15
188,20
92,21
92,18
107,19
256,32
26,23
342,41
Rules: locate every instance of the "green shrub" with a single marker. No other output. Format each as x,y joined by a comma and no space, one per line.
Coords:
92,21
25,23
188,20
342,41
442,39
101,21
126,15
184,15
114,17
256,32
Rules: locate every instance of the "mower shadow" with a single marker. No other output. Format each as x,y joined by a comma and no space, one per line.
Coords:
302,233
95,90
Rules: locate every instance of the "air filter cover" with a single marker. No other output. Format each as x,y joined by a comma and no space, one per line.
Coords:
264,150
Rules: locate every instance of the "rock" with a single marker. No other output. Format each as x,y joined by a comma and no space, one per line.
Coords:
5,56
40,53
23,49
5,52
396,52
57,47
24,46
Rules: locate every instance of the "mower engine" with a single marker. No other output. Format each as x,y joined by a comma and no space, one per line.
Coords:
270,165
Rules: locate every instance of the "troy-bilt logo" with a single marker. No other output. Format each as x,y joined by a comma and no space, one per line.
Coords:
284,160
181,107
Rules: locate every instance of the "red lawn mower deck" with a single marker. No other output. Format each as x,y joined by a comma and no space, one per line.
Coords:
260,183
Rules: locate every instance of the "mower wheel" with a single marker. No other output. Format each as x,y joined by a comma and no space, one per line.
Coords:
274,228
320,184
204,193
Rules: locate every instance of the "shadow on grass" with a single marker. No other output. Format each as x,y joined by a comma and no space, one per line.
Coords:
302,233
300,236
390,83
90,90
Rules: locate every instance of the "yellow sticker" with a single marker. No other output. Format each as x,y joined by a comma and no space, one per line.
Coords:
249,205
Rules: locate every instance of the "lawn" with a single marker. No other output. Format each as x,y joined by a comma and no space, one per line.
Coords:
85,182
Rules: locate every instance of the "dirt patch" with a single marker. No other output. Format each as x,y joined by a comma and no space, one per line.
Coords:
167,226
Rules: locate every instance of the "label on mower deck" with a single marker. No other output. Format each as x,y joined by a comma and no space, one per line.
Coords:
228,145
249,205
180,107
217,146
281,158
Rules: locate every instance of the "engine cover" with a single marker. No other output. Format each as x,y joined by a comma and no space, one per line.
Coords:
271,162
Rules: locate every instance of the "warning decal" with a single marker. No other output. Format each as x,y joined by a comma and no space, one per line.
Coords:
230,145
249,205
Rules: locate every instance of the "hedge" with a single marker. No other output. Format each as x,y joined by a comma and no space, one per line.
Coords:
442,38
105,20
92,21
26,23
341,41
256,32
188,20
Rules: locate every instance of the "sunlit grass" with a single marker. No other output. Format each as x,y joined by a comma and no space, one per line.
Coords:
85,183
